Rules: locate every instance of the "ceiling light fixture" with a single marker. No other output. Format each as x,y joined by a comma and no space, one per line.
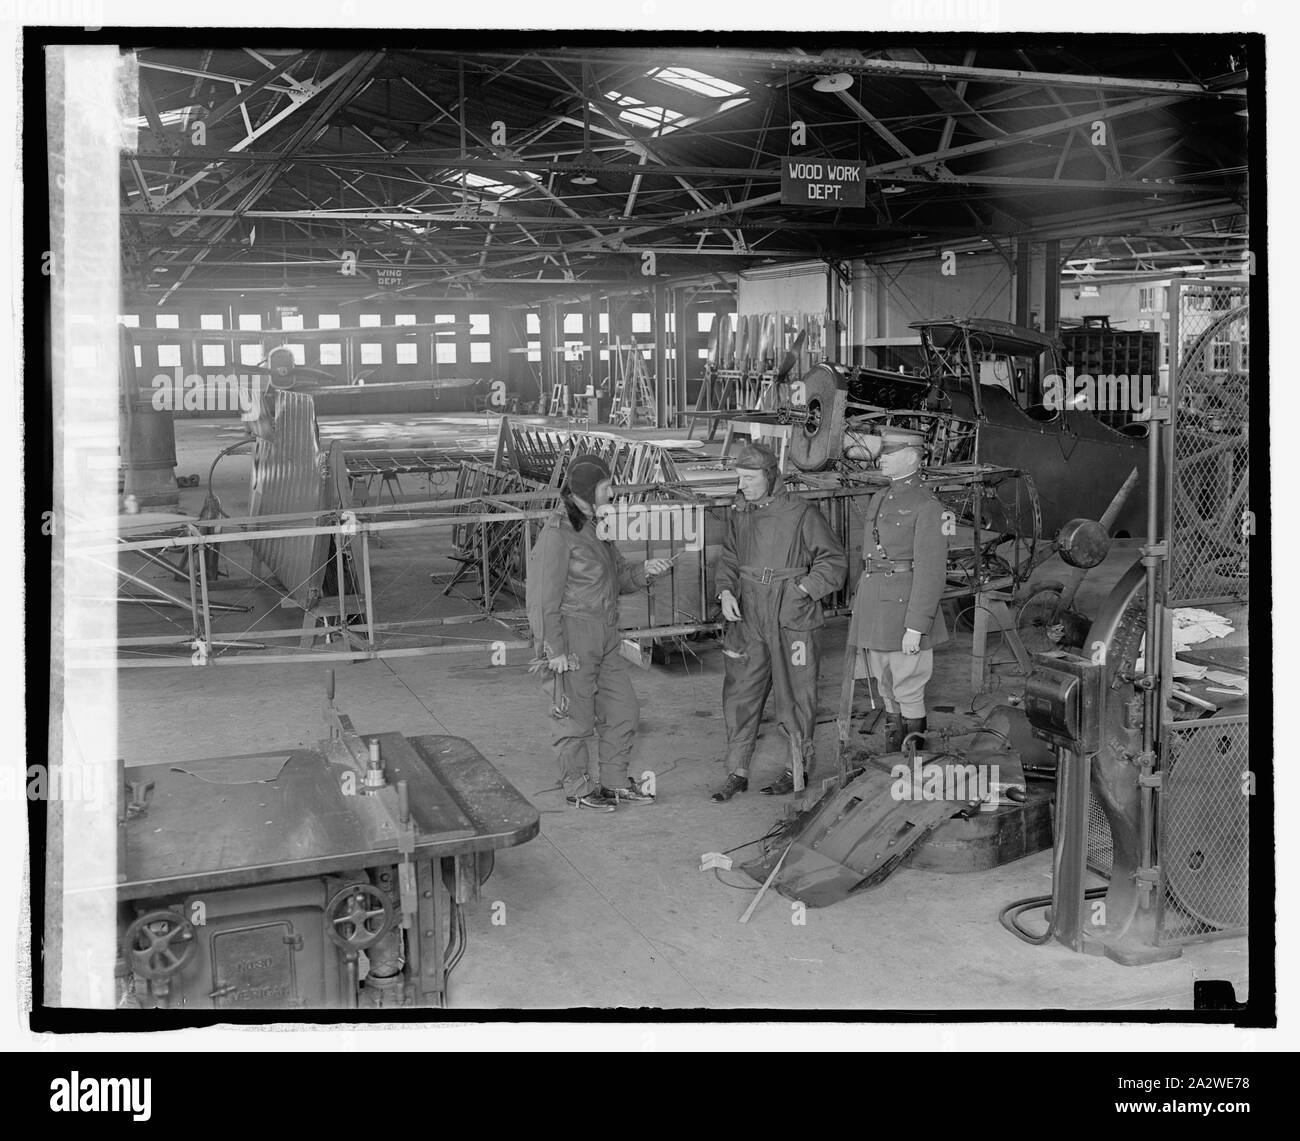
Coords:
838,81
892,188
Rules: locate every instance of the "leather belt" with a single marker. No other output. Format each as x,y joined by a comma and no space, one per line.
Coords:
767,575
894,565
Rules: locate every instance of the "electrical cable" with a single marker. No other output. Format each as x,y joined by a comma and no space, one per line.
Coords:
1031,903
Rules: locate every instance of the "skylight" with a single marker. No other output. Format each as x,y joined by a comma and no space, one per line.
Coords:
487,184
166,118
688,79
658,119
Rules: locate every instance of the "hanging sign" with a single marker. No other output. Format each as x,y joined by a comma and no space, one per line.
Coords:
388,276
822,182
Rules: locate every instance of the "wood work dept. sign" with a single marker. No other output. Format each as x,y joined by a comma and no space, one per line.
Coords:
822,182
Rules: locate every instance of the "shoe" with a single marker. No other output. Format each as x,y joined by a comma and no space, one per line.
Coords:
914,725
735,783
598,800
893,732
629,793
779,787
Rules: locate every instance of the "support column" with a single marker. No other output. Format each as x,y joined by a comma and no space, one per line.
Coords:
1022,282
659,317
591,322
682,352
551,371
1051,286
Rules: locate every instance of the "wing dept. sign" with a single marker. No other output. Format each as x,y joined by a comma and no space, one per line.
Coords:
822,182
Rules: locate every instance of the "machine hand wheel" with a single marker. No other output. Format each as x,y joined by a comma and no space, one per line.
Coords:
358,916
159,944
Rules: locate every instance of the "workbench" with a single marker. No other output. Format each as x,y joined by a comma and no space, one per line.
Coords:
255,872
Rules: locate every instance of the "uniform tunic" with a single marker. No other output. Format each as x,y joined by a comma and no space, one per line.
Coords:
909,522
774,645
574,581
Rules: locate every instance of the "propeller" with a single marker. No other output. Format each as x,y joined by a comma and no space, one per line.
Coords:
791,357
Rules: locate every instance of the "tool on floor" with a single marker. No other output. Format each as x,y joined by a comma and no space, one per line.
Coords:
762,891
715,860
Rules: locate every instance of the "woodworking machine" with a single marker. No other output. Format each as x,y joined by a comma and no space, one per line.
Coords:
327,877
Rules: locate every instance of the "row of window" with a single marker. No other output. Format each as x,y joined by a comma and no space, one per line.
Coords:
371,353
480,324
641,323
573,350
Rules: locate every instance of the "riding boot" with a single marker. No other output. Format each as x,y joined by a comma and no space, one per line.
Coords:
893,732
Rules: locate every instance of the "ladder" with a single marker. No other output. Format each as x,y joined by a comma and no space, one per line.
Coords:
632,393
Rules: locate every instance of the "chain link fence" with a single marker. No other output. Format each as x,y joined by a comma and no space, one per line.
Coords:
1204,833
1208,490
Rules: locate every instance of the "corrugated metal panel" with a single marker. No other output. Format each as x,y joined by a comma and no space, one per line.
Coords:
289,475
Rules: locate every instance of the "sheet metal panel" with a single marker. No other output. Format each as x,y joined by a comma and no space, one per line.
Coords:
290,474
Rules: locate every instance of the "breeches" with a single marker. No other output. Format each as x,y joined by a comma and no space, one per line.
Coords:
902,678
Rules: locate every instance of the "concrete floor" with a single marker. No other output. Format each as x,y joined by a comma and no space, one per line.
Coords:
610,910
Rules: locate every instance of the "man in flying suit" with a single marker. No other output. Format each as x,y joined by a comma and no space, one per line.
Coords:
897,621
779,559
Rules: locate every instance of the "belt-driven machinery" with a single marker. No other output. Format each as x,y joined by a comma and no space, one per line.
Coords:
1154,784
306,878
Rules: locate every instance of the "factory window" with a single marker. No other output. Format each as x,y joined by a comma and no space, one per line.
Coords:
331,354
1146,299
372,353
647,353
480,324
1222,356
573,322
404,319
250,352
534,350
130,320
604,354
446,352
407,352
704,322
533,323
702,353
444,318
139,359
480,352
368,320
166,321
291,322
327,321
250,320
1245,357
298,352
169,356
213,356
211,321
640,322
604,323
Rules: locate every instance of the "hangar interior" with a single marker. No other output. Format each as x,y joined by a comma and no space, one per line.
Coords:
370,304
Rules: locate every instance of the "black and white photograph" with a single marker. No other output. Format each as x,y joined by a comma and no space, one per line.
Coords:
656,525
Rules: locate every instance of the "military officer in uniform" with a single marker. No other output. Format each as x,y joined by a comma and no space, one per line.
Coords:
779,559
896,620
